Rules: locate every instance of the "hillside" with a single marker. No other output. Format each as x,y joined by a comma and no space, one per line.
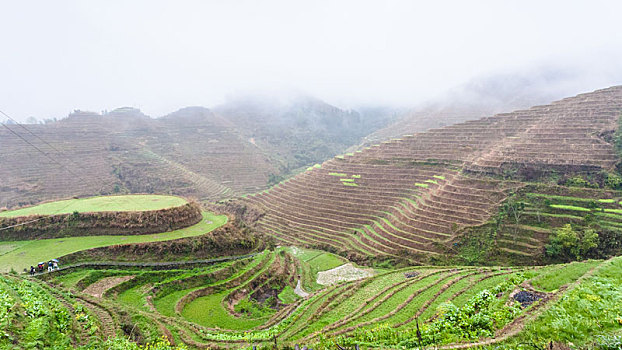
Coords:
56,229
241,148
254,301
371,249
482,97
415,196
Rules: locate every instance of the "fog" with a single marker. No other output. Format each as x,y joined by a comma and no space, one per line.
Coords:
160,56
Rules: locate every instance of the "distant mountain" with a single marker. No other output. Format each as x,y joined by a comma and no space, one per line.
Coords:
299,131
240,147
419,196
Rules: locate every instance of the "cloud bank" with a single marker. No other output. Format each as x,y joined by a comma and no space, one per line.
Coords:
162,55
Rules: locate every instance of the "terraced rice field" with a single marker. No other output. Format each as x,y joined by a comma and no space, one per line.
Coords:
234,303
20,255
100,204
411,195
545,211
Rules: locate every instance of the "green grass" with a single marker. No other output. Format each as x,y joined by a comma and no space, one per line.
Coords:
593,308
317,259
347,180
312,262
325,261
564,216
569,207
432,182
98,204
315,166
134,297
608,215
616,211
30,252
438,177
607,200
421,185
356,176
564,198
287,295
554,278
352,184
69,280
166,304
208,311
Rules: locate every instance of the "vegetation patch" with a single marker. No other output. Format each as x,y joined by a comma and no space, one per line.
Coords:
100,204
590,314
31,252
554,278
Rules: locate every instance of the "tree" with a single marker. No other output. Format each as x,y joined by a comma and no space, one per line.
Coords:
568,244
514,209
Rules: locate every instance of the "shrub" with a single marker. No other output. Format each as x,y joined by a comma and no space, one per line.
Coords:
568,244
120,343
578,181
613,181
612,342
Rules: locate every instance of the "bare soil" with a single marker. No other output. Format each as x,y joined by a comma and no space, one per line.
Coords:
100,287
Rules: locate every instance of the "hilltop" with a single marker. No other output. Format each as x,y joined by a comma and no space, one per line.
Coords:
240,147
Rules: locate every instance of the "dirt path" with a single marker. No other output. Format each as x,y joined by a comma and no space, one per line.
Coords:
100,287
107,323
299,291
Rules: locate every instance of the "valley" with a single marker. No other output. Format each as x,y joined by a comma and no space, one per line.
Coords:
489,233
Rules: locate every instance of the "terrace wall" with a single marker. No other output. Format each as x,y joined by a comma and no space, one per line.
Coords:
227,240
100,223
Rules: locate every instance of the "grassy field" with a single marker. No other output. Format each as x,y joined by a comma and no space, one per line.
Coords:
564,274
21,254
104,203
317,259
209,312
311,262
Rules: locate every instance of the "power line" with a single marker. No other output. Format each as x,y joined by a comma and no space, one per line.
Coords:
105,183
50,145
46,154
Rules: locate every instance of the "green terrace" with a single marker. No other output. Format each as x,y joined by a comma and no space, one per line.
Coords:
227,303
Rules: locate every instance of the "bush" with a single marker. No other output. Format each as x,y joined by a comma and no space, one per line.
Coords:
613,342
120,343
567,244
578,181
613,181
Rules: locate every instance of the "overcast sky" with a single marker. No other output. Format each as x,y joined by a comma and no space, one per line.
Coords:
162,55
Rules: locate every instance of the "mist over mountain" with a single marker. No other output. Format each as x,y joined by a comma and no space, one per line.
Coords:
239,147
505,91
